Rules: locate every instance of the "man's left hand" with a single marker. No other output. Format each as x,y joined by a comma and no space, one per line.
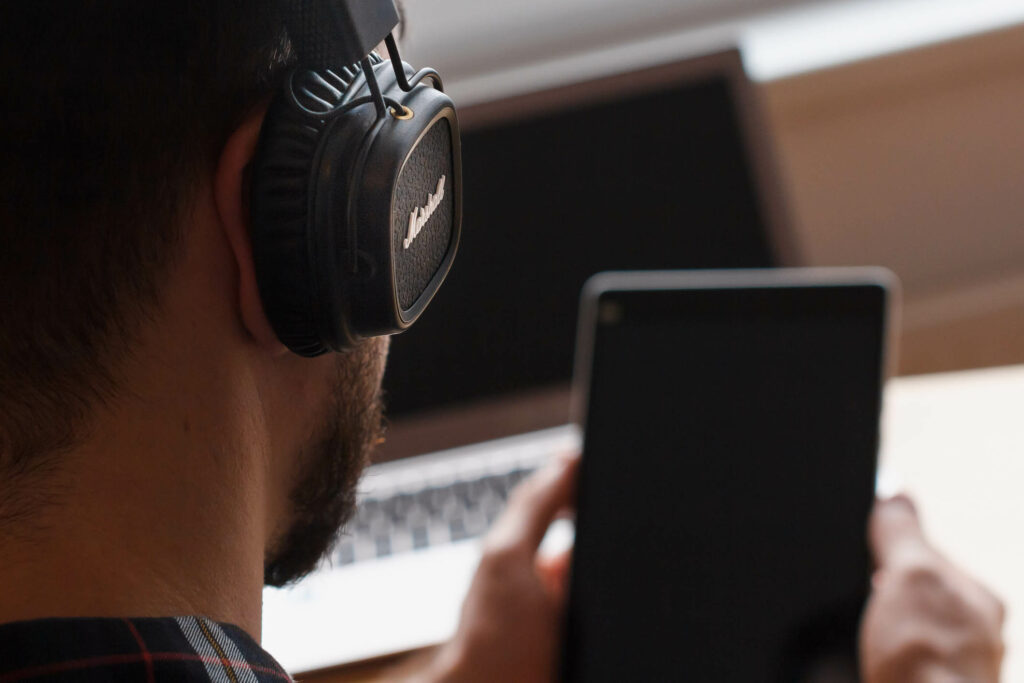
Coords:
511,620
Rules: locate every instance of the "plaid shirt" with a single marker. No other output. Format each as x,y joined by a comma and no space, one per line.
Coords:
150,650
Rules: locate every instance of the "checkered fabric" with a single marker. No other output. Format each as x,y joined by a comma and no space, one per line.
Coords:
150,650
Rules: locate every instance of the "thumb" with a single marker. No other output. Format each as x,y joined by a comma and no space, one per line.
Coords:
554,573
533,506
895,531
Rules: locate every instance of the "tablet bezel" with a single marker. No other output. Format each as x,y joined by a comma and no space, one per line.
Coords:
602,284
606,287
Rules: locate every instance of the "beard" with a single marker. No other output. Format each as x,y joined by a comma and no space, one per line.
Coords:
325,497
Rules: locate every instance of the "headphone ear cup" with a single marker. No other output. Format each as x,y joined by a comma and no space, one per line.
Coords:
279,220
324,219
281,197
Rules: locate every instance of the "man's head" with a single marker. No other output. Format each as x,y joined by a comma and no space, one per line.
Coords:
114,114
127,132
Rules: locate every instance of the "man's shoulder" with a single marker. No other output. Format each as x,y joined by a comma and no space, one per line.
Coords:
144,649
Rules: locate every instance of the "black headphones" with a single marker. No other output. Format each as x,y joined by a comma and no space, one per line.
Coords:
356,186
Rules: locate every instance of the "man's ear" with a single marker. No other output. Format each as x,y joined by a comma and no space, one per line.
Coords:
231,195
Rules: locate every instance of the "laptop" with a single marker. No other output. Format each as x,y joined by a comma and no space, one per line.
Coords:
661,168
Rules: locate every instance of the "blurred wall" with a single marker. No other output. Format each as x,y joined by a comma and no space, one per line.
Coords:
916,161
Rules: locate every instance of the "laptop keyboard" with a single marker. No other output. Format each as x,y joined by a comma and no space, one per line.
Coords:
433,500
399,572
413,520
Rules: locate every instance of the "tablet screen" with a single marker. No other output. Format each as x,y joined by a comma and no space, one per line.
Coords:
728,471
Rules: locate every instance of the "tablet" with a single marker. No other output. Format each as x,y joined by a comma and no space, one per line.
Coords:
730,426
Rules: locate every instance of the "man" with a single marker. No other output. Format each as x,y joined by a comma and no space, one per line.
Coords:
162,454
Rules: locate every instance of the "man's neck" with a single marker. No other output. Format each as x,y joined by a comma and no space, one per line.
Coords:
160,513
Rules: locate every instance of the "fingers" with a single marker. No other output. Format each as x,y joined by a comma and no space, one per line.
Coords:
911,564
533,506
895,531
926,618
553,571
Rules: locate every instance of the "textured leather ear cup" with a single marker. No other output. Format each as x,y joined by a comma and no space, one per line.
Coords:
282,229
328,170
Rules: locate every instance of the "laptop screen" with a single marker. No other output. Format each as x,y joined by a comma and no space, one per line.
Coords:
659,177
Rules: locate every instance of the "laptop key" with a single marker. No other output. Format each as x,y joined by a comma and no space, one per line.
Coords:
401,539
475,523
345,553
431,498
370,508
399,506
499,485
475,489
462,491
457,528
452,509
438,533
517,475
364,547
419,537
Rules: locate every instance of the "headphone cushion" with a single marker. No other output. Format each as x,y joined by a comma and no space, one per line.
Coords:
280,226
281,201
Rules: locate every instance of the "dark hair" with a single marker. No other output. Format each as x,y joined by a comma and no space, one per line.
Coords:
111,113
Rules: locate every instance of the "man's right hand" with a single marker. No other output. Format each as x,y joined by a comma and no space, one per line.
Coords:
926,621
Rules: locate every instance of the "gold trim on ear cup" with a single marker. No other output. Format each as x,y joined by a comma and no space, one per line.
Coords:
405,114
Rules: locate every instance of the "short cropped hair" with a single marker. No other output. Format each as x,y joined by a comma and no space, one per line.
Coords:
111,114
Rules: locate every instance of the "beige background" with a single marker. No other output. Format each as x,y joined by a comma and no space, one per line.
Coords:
916,161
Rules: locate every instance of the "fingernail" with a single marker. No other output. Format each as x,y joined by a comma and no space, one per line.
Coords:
567,458
901,499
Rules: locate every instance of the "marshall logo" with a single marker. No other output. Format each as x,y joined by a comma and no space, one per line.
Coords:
419,217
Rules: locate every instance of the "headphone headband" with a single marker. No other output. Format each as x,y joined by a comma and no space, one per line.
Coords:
327,33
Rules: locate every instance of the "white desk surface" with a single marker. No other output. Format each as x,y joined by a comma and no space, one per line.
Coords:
956,441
